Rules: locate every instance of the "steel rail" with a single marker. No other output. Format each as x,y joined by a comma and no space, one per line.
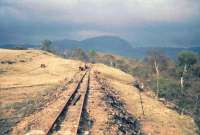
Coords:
66,104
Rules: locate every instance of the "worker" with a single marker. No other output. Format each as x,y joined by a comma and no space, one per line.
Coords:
139,85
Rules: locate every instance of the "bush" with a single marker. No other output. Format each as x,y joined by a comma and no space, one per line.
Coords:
169,89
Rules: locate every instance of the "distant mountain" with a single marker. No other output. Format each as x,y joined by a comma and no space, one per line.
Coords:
61,45
11,46
118,46
109,44
141,52
106,44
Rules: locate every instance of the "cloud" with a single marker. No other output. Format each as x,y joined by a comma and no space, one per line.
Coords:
101,11
84,18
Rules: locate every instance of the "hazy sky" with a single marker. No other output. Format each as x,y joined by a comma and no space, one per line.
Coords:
142,22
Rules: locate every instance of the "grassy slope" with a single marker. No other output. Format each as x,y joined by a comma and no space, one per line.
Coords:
23,84
29,73
158,120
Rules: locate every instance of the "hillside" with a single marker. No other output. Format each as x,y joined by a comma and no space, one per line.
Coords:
107,44
158,119
12,45
141,52
118,46
27,89
61,45
25,86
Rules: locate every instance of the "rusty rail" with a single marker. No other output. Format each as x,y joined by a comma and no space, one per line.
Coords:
49,129
83,104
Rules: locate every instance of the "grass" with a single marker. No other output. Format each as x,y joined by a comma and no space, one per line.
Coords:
30,73
25,86
158,118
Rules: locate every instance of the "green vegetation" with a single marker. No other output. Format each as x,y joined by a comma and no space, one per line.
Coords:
187,58
92,55
47,46
20,47
77,54
178,83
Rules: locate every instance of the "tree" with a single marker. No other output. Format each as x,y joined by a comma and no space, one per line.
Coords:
46,45
196,70
158,56
79,54
92,55
154,58
186,59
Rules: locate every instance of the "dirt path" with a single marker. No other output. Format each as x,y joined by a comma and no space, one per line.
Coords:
96,108
104,112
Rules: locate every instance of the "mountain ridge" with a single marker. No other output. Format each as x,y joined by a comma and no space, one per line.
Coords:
117,45
107,44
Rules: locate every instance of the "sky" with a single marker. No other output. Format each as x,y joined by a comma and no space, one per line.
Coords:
173,23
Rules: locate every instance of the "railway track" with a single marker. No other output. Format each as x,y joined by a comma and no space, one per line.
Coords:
68,118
